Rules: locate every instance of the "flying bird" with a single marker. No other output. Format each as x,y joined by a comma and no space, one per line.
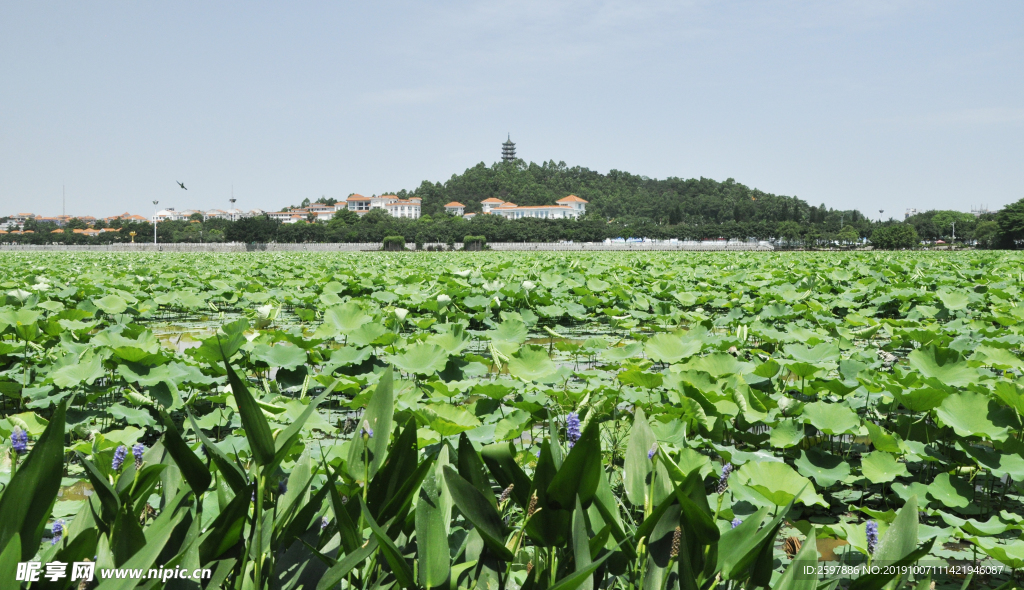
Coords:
182,185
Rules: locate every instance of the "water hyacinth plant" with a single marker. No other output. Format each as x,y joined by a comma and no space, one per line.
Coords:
390,420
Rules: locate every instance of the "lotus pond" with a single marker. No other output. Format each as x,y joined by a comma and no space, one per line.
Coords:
515,420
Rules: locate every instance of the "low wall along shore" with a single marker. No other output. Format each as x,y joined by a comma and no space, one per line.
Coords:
370,246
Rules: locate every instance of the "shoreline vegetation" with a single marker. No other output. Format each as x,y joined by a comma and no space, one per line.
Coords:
621,205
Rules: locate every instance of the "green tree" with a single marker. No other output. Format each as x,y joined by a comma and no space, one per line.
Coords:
76,223
985,233
1011,225
896,236
261,229
848,235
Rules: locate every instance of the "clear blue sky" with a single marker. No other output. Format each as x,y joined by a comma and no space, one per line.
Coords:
873,105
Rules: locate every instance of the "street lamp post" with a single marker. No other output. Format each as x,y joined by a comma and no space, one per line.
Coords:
154,221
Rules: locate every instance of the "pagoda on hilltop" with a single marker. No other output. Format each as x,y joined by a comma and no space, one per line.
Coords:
508,150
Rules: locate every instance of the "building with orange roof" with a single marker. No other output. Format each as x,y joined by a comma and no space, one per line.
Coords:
455,208
574,202
490,203
571,207
409,208
358,203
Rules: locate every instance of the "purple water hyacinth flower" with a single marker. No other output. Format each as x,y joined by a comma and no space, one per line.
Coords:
736,522
58,531
366,432
572,428
323,523
119,455
871,531
282,487
19,440
654,449
723,480
137,451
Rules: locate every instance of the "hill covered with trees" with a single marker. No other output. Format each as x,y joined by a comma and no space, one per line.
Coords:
621,205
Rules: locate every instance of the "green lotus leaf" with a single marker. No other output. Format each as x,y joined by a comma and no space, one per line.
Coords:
786,433
822,353
882,440
449,420
999,358
531,363
342,319
953,300
952,492
287,356
913,489
643,379
920,399
973,414
831,418
422,359
621,353
111,304
944,364
1011,394
366,334
131,415
667,348
509,331
719,364
779,483
1006,461
451,337
87,370
597,285
1010,554
824,468
882,467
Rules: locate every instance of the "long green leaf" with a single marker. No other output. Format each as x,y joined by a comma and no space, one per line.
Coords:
337,572
232,474
28,498
794,577
580,471
477,510
399,567
101,487
157,537
192,468
257,431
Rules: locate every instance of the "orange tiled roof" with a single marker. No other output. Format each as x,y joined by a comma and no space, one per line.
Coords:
455,204
358,198
571,199
492,200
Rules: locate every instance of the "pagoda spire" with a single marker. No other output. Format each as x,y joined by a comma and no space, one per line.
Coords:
508,150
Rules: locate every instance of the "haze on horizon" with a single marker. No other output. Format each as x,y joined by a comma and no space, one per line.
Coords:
869,105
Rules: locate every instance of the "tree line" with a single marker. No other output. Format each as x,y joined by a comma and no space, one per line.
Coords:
621,205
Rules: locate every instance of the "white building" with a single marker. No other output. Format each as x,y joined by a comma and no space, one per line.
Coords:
455,208
409,208
358,203
571,207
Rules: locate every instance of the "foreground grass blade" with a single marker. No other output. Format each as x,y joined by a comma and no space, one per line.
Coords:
28,498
